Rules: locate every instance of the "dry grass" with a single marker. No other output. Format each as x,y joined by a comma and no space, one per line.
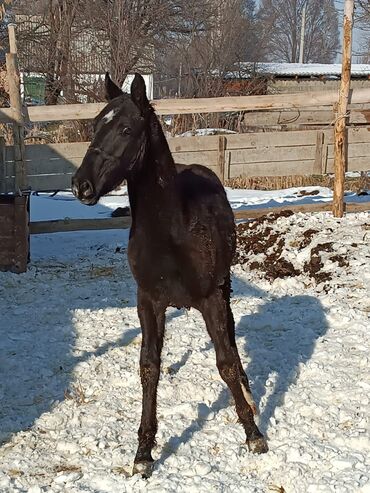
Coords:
66,468
6,132
51,133
76,394
281,182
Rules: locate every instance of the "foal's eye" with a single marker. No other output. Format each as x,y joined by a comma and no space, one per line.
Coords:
126,131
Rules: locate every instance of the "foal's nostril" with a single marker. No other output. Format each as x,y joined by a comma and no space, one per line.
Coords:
86,189
82,190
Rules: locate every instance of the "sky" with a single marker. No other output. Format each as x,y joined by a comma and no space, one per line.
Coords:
358,35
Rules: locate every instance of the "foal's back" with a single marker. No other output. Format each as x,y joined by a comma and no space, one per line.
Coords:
205,205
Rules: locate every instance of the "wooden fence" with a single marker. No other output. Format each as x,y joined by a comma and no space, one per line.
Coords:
306,152
269,153
195,105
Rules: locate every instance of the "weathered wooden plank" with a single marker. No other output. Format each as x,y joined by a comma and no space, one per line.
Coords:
272,154
354,164
193,144
238,103
57,226
254,213
269,139
243,141
299,167
9,153
280,168
288,118
355,150
355,135
205,147
266,154
194,105
56,151
50,182
207,158
48,167
62,225
283,117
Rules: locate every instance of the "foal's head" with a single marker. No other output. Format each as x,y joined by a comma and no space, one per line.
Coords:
119,143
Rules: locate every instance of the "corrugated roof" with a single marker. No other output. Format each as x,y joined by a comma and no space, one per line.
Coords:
300,69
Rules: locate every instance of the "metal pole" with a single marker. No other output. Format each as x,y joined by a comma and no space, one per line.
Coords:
303,26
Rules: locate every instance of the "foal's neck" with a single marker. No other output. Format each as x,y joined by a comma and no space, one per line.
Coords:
151,186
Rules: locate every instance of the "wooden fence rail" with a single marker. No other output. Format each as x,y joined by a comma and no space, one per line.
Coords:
189,106
64,225
306,152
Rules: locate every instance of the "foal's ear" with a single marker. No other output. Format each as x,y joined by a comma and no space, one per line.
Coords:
111,90
138,93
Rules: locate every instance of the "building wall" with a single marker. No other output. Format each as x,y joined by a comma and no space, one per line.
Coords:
281,86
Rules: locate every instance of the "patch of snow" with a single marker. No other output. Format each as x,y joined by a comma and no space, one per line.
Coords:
206,131
70,391
299,69
64,205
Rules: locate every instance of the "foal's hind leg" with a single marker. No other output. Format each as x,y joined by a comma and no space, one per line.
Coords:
152,319
244,382
215,310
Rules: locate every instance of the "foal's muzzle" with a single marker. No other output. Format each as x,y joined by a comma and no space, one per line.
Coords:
84,191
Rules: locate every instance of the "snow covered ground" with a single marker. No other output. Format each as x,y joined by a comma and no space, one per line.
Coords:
70,395
44,207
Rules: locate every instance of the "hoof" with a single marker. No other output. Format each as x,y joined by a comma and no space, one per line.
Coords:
143,468
257,445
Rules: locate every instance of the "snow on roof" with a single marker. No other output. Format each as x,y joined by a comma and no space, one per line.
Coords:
300,69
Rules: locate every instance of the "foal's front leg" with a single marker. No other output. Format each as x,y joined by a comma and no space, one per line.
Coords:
152,320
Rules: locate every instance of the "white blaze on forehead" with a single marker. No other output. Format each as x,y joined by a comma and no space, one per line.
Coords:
109,116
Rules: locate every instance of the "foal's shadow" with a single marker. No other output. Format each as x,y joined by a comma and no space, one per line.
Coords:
278,337
40,346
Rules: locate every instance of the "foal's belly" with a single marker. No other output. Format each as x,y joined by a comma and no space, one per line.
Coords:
177,282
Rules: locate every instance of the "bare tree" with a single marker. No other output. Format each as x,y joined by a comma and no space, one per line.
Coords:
5,7
362,22
216,37
45,34
281,20
195,41
116,35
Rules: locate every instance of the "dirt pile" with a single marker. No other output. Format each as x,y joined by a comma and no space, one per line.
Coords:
269,245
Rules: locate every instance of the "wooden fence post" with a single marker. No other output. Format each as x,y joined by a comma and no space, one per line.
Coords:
319,154
221,157
16,106
340,136
2,166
